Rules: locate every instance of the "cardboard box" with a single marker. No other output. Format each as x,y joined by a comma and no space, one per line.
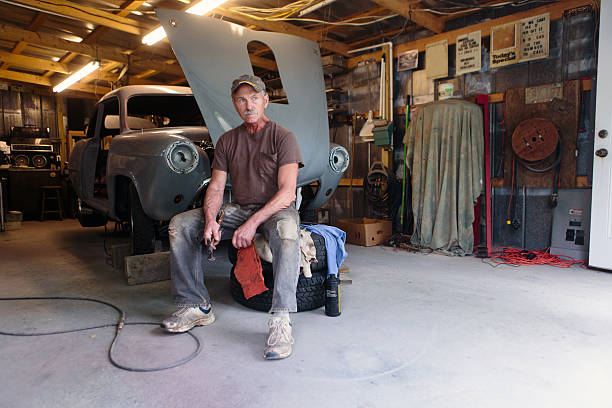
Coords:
366,231
13,221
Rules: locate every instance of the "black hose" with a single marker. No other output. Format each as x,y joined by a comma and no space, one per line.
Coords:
529,165
119,325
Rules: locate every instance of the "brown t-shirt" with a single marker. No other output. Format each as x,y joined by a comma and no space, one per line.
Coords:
252,161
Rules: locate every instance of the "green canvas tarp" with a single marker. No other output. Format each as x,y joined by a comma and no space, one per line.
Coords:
445,146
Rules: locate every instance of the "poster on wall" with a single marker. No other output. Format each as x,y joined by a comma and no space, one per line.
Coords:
408,60
436,59
468,58
504,45
534,37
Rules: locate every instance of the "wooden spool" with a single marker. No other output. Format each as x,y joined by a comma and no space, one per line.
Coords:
535,139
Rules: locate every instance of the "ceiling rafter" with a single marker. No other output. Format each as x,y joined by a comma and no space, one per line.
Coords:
36,23
22,61
284,27
84,13
13,33
407,9
125,9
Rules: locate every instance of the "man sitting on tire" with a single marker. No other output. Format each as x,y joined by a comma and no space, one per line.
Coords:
262,159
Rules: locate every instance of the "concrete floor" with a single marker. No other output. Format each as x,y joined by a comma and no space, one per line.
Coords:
416,330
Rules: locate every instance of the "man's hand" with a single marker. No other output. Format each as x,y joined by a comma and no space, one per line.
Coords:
212,234
243,236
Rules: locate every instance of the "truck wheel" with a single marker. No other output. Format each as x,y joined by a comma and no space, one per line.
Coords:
310,292
87,217
142,228
319,243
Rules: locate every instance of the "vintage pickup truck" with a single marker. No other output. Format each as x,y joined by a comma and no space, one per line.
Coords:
148,151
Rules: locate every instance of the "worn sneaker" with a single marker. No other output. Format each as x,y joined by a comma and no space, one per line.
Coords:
186,318
279,338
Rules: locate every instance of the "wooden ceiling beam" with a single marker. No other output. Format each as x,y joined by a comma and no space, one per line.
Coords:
283,27
372,38
21,77
84,13
125,9
33,63
407,9
263,63
13,33
331,28
555,9
33,26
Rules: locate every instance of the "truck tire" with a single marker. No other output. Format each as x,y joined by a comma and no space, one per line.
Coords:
319,243
142,228
310,292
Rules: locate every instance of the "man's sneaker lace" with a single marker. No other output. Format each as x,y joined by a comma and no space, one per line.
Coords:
187,318
279,338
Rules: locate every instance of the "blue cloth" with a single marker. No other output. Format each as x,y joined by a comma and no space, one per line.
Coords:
334,245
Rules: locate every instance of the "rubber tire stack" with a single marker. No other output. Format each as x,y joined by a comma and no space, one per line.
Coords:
310,292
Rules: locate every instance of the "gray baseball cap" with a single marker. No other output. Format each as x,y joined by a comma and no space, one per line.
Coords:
252,80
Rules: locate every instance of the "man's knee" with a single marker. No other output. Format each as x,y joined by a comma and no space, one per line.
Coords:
183,222
287,229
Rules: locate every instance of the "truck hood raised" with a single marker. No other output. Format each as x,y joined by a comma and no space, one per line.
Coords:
213,53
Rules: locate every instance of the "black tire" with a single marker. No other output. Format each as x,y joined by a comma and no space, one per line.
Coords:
142,228
88,217
310,292
319,243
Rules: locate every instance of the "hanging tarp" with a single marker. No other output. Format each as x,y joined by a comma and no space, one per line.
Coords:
445,146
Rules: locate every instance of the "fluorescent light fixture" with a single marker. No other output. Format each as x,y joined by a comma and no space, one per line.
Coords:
198,9
204,7
154,36
77,76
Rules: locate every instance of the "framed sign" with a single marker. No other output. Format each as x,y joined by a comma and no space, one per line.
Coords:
408,60
504,45
436,59
468,53
534,37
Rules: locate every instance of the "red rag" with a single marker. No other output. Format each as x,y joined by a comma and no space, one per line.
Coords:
248,272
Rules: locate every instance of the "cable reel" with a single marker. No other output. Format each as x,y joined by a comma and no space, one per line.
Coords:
534,142
537,147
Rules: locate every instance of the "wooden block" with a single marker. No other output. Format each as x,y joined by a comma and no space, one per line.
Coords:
147,268
582,181
119,252
497,182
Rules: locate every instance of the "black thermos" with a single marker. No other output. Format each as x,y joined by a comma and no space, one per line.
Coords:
332,296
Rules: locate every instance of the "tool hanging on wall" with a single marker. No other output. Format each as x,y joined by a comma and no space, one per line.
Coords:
379,187
537,147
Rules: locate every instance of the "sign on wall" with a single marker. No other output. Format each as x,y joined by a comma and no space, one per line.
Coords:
468,55
534,37
436,59
408,60
504,45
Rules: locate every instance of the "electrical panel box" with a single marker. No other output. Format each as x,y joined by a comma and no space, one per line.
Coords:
571,221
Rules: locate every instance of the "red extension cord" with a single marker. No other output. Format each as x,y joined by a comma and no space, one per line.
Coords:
520,257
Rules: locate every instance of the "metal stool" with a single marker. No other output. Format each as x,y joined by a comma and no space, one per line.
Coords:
51,193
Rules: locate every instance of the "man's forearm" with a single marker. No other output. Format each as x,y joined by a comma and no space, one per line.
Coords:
212,204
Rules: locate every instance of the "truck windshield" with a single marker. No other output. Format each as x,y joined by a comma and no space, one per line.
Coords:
158,111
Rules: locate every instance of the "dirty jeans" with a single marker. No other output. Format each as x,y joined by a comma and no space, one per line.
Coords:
187,253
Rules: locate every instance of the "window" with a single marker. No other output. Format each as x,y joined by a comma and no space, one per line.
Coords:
264,66
160,111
